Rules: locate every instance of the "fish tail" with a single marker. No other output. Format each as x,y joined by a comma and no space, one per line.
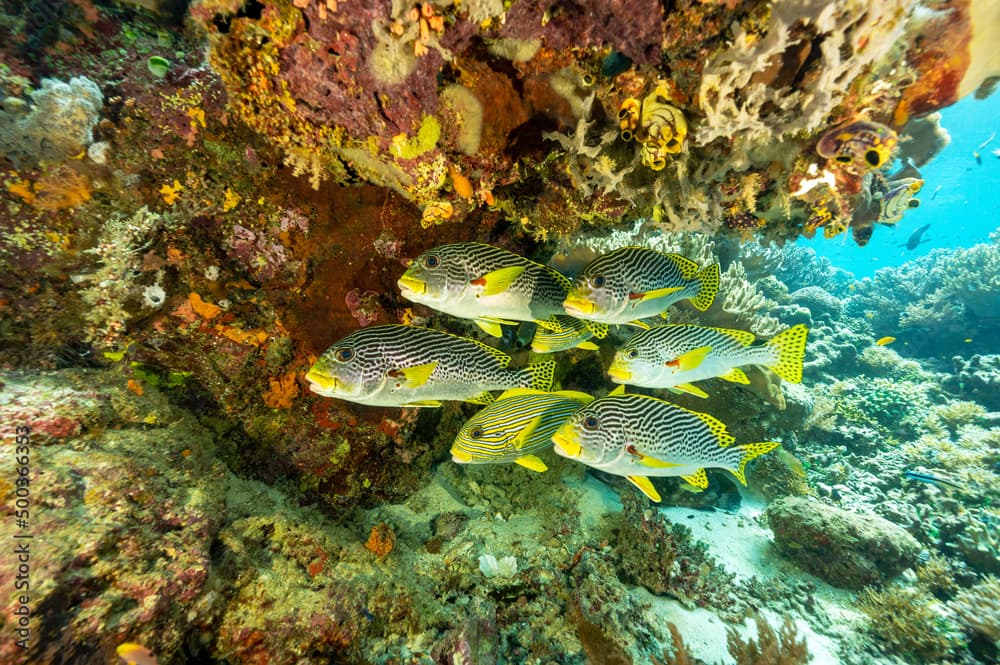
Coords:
790,346
709,286
539,375
750,451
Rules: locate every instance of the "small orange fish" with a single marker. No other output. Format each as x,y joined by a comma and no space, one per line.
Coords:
885,341
131,653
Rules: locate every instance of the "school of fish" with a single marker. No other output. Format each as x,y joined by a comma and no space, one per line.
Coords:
631,435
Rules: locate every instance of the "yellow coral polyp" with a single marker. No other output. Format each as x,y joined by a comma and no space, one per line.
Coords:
661,126
436,212
628,118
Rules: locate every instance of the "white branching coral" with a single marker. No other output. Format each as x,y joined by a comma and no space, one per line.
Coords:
738,95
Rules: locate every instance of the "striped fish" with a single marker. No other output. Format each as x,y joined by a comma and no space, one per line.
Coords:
520,423
637,436
574,334
672,356
409,366
487,284
633,283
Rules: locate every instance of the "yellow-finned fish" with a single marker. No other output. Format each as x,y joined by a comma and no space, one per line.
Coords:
885,341
515,427
633,283
638,436
490,285
574,335
398,365
131,653
670,356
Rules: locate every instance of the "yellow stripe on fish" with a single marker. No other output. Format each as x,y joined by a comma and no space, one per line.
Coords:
670,356
634,283
398,365
638,436
488,284
515,427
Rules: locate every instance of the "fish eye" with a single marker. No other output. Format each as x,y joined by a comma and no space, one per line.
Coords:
476,433
598,281
432,261
591,422
632,353
873,158
343,355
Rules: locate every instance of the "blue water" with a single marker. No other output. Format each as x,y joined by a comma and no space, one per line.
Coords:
960,198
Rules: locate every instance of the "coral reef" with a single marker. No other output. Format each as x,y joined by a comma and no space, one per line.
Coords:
845,549
909,620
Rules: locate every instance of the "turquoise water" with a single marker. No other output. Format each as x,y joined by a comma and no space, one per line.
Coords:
960,198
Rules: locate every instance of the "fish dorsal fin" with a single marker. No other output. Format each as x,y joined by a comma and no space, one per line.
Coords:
563,280
736,375
482,398
620,390
490,327
690,359
698,479
687,267
584,398
716,426
639,324
690,390
498,281
532,462
744,337
655,293
502,358
645,486
417,375
600,330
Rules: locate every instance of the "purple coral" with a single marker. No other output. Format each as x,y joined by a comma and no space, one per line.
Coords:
363,306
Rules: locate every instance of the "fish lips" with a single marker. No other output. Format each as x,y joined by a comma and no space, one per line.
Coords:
409,285
323,384
619,374
576,306
565,444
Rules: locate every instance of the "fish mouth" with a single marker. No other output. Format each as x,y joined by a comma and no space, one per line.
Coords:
460,456
323,384
416,286
576,305
619,374
566,444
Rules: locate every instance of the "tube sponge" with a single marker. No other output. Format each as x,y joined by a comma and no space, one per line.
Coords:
58,123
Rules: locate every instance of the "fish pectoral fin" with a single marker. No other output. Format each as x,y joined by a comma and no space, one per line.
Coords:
736,375
691,359
639,324
654,462
428,403
655,293
699,479
690,390
418,375
532,462
490,327
589,346
482,398
645,486
521,439
498,281
600,330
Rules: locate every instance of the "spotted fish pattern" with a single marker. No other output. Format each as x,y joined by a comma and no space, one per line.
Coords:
515,427
673,355
634,283
398,365
638,436
487,284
